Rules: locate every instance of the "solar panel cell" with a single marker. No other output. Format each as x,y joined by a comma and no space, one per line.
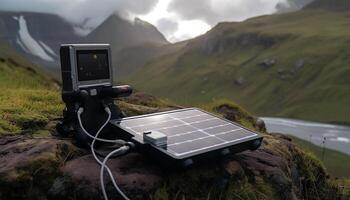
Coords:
221,129
186,113
196,118
234,135
195,145
177,130
155,126
208,123
186,137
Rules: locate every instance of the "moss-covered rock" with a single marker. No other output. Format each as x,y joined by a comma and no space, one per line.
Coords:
28,166
52,168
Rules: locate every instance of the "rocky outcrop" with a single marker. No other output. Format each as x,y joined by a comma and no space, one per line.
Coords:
285,73
220,40
299,64
54,168
240,81
50,168
267,63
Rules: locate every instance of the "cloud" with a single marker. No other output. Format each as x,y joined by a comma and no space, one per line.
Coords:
167,26
176,19
79,10
214,11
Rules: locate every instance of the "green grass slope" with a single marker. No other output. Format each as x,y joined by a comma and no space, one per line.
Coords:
28,102
309,79
336,163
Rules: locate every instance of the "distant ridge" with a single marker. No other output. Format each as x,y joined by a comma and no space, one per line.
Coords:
334,5
38,36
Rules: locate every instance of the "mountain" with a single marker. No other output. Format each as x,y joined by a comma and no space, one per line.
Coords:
292,65
121,33
38,36
132,42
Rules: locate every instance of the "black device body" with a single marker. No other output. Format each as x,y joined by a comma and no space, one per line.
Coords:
94,115
95,91
88,91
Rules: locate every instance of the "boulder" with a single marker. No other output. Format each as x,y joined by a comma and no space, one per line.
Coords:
240,81
299,64
267,63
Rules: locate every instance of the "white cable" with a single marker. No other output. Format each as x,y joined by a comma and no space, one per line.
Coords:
118,151
95,138
80,111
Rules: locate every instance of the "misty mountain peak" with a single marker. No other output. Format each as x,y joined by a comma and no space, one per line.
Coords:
138,21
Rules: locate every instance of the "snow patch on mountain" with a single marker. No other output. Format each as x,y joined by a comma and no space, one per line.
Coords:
29,42
47,48
18,41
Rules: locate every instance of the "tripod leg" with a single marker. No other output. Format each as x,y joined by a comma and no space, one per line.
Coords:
63,129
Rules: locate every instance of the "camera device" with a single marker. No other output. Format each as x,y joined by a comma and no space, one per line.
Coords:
176,138
87,82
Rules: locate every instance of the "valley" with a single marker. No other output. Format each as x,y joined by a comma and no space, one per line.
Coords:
293,65
286,65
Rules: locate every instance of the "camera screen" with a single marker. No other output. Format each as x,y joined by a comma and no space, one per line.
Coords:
92,65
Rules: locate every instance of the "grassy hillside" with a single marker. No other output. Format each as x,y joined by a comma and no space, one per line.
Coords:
129,60
292,65
336,163
28,102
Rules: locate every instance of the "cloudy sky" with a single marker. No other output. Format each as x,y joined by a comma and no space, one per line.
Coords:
176,19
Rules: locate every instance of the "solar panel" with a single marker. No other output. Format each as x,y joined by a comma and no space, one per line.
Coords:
189,132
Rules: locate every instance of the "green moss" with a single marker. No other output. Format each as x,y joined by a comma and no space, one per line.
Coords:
161,194
313,177
28,102
233,112
196,186
264,189
336,163
344,185
31,182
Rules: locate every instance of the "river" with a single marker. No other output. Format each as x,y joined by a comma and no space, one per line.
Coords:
335,136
